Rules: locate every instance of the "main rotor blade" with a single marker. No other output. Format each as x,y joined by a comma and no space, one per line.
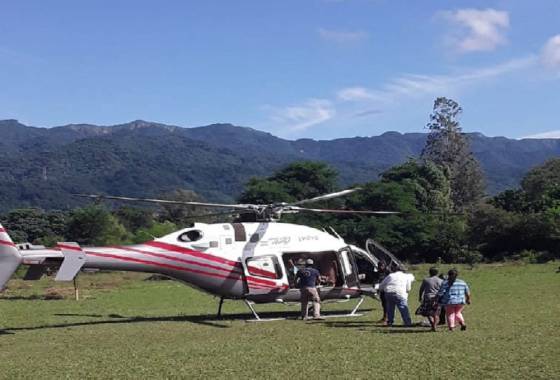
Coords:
166,201
214,214
331,211
327,196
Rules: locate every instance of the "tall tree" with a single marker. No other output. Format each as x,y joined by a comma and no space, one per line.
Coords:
448,147
542,186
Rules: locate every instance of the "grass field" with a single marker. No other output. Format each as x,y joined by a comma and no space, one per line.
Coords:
127,328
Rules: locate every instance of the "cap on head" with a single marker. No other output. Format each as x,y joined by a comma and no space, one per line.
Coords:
309,262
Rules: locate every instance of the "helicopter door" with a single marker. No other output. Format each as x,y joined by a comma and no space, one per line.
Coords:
263,274
349,268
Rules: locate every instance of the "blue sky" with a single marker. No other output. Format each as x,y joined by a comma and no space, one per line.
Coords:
305,68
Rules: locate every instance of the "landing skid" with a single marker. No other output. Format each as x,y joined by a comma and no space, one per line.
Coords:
353,313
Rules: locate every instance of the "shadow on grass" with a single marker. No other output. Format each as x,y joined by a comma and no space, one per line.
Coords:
33,297
376,328
206,320
87,315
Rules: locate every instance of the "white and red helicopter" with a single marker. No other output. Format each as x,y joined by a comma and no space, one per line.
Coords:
251,261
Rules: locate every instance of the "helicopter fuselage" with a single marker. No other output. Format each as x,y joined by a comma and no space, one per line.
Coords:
254,261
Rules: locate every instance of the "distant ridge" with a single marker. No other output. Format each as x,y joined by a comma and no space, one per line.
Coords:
40,167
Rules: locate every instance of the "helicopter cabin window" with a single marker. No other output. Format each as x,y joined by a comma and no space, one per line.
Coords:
190,236
266,267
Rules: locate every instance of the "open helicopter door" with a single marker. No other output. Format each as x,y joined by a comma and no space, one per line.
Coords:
382,254
349,268
263,274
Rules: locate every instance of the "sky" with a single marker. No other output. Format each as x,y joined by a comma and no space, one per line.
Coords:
318,69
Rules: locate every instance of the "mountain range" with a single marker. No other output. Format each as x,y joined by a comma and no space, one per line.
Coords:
42,167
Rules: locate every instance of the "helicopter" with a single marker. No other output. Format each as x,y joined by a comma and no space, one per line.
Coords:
255,261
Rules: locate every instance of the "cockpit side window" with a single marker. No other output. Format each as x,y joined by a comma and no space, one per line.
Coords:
189,236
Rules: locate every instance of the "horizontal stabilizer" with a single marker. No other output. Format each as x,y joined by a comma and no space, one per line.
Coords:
74,260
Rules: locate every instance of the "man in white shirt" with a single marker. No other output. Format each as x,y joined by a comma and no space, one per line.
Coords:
396,287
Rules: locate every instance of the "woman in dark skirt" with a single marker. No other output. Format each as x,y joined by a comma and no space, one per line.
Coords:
429,306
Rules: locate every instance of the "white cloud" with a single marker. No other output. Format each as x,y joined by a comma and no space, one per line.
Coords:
350,94
341,36
551,52
301,117
544,135
414,85
360,101
485,29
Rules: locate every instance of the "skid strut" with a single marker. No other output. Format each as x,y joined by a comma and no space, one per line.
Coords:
220,307
250,305
353,313
256,315
362,298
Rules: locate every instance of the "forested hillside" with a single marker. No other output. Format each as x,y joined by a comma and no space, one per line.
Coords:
41,167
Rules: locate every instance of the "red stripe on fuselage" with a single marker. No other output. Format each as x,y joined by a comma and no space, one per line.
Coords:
263,272
177,259
8,243
261,281
169,266
178,249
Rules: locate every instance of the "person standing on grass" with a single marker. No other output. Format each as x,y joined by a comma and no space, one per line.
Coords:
383,271
307,279
453,295
428,297
396,287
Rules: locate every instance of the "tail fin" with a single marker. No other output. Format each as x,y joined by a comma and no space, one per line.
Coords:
10,258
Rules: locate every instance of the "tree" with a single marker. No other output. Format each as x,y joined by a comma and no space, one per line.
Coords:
431,185
541,185
35,225
155,230
448,147
95,225
134,218
299,180
178,214
264,191
511,201
415,189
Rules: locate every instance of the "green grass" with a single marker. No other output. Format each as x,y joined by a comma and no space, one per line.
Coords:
127,328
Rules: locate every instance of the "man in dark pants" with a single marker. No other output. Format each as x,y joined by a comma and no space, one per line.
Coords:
307,279
383,272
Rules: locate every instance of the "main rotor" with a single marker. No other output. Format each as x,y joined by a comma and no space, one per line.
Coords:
262,212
